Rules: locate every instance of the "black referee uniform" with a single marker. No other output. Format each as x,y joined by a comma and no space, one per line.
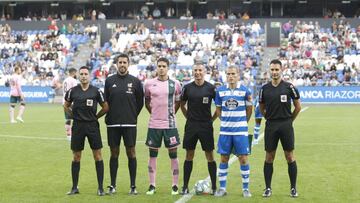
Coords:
84,114
199,119
198,126
277,101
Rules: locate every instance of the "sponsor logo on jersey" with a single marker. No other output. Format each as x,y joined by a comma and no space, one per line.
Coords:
114,85
283,98
231,104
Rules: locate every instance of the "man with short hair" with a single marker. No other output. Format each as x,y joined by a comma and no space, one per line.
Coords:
275,104
162,100
234,105
16,95
196,99
69,83
125,96
84,99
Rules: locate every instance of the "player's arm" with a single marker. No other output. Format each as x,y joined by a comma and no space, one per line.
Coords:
217,113
297,108
177,106
139,97
183,108
262,108
104,109
67,108
249,105
147,104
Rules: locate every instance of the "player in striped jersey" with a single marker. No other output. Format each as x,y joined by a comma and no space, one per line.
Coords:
234,106
69,83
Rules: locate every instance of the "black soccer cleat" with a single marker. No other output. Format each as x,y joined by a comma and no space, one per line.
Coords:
267,192
100,192
133,191
112,190
293,193
184,191
73,191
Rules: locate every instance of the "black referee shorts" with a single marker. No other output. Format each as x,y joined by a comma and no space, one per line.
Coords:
114,135
81,130
279,130
195,131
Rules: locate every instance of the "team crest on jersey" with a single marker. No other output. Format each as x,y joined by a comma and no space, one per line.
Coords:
129,91
283,98
89,102
205,100
231,104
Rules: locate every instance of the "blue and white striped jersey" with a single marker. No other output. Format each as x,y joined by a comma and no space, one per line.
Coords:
233,109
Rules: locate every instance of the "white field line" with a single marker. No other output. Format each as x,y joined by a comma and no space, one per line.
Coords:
186,198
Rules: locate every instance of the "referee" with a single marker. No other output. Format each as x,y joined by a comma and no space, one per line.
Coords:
125,96
275,104
84,99
198,96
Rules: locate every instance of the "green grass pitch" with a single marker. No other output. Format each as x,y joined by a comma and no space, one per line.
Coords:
35,161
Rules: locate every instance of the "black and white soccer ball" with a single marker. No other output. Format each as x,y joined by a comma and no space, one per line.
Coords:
202,187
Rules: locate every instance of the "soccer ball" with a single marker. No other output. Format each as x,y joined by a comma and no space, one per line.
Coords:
202,187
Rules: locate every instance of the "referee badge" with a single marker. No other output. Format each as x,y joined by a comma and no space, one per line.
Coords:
283,98
205,100
89,102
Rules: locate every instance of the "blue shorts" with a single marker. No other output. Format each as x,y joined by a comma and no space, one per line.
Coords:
258,112
236,144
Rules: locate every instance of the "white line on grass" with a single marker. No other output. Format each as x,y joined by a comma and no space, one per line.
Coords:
186,198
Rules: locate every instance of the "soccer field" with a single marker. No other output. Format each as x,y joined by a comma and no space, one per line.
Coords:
36,158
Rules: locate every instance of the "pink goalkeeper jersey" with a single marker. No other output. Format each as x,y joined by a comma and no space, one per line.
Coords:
162,95
15,85
68,83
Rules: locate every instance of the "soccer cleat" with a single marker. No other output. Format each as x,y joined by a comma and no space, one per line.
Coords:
151,190
19,119
112,190
73,191
100,192
220,193
246,193
13,121
174,190
133,191
293,193
184,191
212,192
267,192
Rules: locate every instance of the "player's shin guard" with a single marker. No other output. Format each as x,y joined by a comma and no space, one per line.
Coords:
256,131
132,165
152,166
11,112
75,169
21,110
188,165
174,168
292,170
223,171
268,171
212,173
114,164
245,174
68,130
100,173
